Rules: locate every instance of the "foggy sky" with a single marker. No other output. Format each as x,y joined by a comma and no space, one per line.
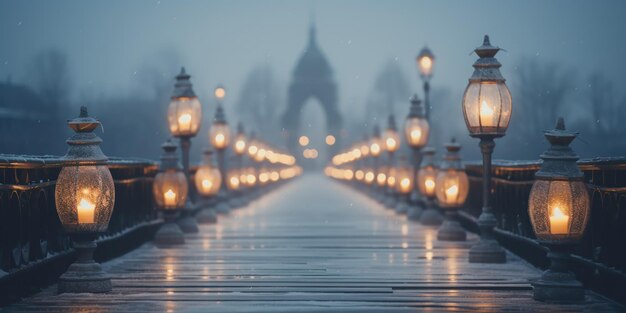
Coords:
109,43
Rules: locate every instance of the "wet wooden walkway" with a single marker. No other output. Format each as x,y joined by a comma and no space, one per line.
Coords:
311,246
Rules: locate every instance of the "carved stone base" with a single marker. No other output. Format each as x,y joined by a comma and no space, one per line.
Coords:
487,251
85,275
169,235
188,224
431,217
558,284
451,230
206,216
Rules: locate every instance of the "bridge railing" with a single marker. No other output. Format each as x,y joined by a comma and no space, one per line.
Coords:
34,249
601,255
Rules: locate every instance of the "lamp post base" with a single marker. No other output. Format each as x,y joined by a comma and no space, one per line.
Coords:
207,216
222,207
558,284
414,213
402,207
169,234
84,275
451,230
487,251
431,217
188,223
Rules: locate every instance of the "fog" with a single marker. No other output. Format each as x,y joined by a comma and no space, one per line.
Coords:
119,58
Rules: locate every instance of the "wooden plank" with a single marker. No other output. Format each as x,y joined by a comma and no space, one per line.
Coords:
311,246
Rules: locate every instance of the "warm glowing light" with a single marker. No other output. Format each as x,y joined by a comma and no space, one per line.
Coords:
430,185
452,192
381,179
330,140
391,181
207,185
169,198
486,114
426,65
220,139
369,177
303,140
234,182
391,144
375,149
240,146
558,222
405,184
359,175
184,122
220,93
274,176
365,150
416,135
252,150
86,211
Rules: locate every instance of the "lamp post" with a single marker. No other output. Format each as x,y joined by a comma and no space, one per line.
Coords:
184,116
425,62
426,182
487,111
416,132
170,190
84,198
452,186
239,148
219,135
391,144
559,211
404,184
208,180
375,150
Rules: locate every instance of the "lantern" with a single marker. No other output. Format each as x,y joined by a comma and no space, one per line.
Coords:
404,185
452,186
184,113
170,193
425,61
416,127
208,178
427,184
84,197
240,141
391,137
559,211
487,100
487,111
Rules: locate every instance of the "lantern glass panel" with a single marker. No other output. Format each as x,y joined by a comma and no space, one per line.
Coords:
220,135
404,180
240,144
416,131
208,180
452,187
426,177
170,189
184,116
559,209
84,197
487,107
392,140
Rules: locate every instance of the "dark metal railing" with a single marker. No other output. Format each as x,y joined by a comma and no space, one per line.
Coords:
34,249
601,255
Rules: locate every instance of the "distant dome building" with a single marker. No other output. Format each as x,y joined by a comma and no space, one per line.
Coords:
312,78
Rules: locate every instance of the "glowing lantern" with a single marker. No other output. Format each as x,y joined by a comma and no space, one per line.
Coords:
84,198
184,113
452,187
208,178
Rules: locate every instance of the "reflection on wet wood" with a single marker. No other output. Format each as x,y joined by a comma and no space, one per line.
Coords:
312,246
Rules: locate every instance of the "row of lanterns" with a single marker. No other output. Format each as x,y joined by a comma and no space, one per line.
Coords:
85,193
558,204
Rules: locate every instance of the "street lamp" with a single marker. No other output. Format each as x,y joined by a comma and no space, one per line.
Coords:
170,190
239,147
184,115
375,150
427,184
219,135
425,63
391,142
452,186
207,180
416,132
559,212
404,184
84,198
487,111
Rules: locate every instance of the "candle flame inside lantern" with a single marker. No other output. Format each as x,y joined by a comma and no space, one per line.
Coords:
558,221
184,121
220,139
86,211
207,184
416,135
486,114
430,185
452,192
170,198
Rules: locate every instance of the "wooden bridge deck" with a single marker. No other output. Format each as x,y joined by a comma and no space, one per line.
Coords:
311,246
